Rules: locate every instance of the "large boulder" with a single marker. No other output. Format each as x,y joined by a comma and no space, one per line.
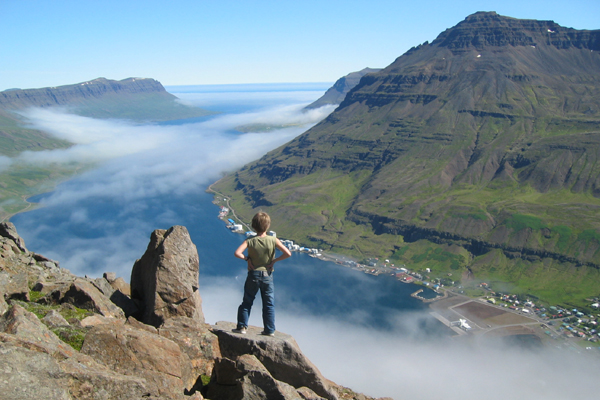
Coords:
14,286
279,354
84,294
8,230
119,297
196,340
25,327
130,351
165,280
31,374
28,374
247,378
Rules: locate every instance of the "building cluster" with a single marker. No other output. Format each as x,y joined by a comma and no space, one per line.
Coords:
572,323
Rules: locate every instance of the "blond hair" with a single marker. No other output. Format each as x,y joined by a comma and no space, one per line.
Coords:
261,222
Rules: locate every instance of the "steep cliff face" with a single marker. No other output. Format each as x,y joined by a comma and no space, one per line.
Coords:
490,134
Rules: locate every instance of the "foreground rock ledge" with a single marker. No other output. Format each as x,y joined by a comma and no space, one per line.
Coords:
280,356
168,352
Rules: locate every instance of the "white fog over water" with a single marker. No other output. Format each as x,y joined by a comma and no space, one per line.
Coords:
154,176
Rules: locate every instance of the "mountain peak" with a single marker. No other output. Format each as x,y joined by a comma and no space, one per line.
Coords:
484,29
494,105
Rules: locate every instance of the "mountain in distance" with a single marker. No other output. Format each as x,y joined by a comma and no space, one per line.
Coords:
476,155
136,99
337,93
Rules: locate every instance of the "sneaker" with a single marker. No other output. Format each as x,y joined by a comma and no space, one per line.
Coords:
265,333
239,330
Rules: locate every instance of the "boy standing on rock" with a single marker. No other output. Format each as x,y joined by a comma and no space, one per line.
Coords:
261,259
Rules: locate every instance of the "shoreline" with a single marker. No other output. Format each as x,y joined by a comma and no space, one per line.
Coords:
343,260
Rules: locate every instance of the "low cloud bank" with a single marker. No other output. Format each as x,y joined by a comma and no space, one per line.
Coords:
102,219
401,366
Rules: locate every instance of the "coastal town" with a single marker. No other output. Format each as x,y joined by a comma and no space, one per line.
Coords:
496,314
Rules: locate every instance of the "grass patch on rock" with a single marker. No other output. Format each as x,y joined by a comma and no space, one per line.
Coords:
72,336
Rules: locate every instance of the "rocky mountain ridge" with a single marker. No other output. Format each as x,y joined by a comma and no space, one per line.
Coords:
105,339
485,139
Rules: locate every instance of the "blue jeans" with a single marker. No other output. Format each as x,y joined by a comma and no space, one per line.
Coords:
263,281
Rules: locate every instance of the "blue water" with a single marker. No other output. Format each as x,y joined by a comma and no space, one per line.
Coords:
89,225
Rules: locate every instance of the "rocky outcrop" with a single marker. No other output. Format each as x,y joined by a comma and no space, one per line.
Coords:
164,282
85,295
37,364
75,342
279,356
137,352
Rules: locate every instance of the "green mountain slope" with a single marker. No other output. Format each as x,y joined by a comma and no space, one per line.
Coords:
474,154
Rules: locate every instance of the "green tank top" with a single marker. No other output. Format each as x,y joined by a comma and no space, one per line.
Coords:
261,251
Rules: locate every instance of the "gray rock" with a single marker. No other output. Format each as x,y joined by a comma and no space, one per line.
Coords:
131,351
50,263
22,326
14,286
3,306
85,295
87,379
28,374
307,394
53,319
121,285
103,286
165,280
140,325
246,378
8,230
55,290
109,276
196,340
95,320
125,303
280,355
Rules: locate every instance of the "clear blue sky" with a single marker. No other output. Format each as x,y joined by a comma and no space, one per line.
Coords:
57,42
